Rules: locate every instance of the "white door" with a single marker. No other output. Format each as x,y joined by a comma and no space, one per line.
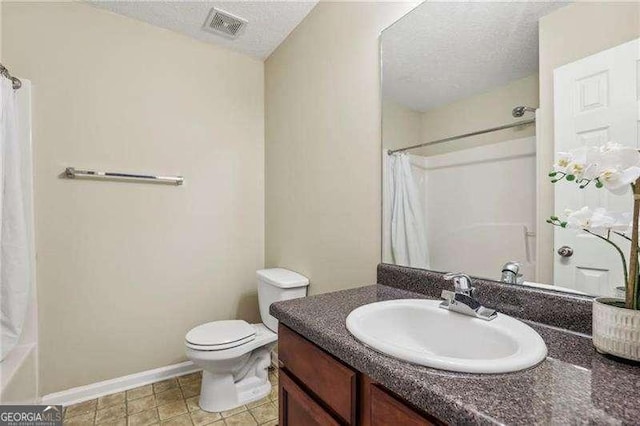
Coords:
595,101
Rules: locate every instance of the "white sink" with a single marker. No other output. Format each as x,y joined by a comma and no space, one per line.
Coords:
418,331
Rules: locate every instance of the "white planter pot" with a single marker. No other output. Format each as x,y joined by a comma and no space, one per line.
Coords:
616,331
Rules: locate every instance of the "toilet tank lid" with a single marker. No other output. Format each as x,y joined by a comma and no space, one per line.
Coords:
282,278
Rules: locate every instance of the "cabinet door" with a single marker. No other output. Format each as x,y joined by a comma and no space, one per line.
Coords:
328,379
386,410
299,409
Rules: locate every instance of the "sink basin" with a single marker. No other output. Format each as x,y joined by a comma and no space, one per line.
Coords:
418,331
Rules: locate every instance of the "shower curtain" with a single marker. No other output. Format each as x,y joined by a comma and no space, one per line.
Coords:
407,234
15,262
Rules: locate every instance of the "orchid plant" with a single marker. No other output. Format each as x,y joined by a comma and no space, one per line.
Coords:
615,168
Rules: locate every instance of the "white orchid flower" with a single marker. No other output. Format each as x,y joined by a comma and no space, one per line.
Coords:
578,164
563,161
610,147
623,222
617,166
575,164
612,165
598,220
618,180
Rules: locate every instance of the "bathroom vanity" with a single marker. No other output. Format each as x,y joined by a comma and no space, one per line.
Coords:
328,377
318,389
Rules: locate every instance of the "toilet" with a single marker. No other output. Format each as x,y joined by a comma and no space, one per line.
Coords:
235,355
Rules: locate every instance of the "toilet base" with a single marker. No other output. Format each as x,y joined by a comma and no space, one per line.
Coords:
235,376
214,401
221,392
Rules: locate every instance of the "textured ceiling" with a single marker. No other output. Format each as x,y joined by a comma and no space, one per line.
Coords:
270,22
445,51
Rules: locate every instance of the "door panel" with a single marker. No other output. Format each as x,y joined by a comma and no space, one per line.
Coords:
595,101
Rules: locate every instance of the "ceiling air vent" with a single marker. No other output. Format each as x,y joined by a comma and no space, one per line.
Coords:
224,24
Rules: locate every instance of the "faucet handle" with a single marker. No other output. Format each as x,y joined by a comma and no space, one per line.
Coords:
448,296
512,266
461,282
511,273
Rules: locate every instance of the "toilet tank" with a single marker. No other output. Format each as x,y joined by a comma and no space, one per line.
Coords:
278,284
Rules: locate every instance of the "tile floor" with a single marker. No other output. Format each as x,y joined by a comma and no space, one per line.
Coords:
171,402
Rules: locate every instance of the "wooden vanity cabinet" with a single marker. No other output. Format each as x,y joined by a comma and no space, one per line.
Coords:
297,407
317,389
386,409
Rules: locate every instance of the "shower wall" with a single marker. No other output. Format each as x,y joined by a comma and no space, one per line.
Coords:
469,204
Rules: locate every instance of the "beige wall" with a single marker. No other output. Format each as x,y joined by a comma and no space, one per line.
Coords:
478,112
323,147
566,35
401,126
124,270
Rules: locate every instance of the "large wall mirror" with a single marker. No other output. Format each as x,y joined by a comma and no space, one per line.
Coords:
478,100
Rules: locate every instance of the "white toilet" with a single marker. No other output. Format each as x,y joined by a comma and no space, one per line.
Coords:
234,355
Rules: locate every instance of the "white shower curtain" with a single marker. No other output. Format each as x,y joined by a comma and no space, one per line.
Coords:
407,234
15,262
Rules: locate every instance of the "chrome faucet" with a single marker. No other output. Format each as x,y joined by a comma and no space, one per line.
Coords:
511,273
462,300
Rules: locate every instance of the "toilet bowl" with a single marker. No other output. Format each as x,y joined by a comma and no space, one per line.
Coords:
235,355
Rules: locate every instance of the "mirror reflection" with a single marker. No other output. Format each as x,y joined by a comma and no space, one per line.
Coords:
474,120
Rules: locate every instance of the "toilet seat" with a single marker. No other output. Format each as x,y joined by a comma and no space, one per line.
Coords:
220,335
263,337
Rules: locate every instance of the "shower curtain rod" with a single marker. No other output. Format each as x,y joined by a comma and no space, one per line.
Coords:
466,135
14,80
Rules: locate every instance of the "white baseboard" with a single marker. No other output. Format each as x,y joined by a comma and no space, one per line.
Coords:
119,384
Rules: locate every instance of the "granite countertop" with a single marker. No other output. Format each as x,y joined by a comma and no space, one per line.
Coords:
574,385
